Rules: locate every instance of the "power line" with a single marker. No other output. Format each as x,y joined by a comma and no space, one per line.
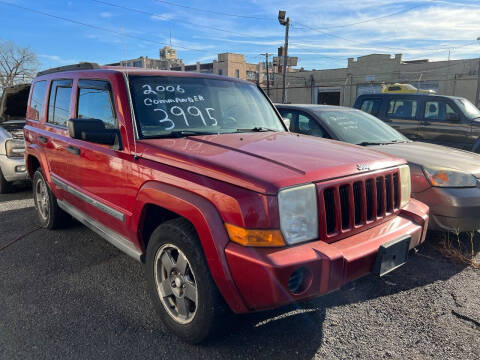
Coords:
93,26
214,12
375,18
164,18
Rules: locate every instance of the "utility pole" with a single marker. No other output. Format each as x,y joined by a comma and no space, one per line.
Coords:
286,23
268,78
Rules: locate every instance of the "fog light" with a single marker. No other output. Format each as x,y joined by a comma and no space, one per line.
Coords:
298,281
20,168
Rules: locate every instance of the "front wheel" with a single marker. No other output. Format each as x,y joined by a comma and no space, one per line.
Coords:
180,284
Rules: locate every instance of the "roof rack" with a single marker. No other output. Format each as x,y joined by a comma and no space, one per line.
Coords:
79,66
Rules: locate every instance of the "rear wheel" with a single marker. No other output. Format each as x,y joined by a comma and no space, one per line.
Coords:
48,211
5,186
180,284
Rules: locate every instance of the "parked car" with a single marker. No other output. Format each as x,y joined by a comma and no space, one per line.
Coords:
444,120
196,176
446,179
13,107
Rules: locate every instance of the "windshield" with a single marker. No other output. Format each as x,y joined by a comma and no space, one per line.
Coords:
171,106
468,108
357,127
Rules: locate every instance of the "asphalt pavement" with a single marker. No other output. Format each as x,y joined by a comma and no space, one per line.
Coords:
68,294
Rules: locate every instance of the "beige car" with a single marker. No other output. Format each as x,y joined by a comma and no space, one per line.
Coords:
444,178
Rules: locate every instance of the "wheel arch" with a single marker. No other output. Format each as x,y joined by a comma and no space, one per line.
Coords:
167,202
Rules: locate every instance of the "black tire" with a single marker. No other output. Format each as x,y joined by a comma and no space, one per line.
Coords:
210,309
48,211
5,186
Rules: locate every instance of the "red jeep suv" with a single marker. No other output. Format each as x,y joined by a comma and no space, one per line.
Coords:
196,176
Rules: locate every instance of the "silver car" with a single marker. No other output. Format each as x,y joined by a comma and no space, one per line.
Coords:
446,179
13,107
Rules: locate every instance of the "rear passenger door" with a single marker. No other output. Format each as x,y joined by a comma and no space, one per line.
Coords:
442,123
401,114
55,140
101,167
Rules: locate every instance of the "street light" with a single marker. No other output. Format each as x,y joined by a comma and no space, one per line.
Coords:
284,22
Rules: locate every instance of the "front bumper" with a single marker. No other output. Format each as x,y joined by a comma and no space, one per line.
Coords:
262,274
452,209
12,168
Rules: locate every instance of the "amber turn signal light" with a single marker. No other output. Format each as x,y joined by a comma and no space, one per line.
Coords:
259,238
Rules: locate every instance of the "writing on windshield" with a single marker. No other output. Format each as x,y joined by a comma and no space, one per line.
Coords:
165,104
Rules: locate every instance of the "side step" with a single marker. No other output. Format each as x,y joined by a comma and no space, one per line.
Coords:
112,237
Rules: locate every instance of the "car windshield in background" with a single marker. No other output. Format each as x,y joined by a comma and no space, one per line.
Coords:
182,106
359,128
469,109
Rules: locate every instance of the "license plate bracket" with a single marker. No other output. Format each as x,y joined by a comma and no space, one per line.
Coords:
391,255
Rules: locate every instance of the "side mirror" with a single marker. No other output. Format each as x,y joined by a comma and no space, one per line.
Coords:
93,130
286,121
453,117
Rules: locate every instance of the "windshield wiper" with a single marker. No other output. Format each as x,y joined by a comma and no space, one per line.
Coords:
256,129
181,133
367,143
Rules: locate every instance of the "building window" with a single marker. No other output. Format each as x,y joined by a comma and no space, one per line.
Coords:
220,72
251,75
137,63
237,73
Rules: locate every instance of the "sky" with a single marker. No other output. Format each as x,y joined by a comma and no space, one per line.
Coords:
323,34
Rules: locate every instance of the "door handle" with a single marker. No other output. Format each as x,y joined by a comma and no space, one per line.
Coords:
73,150
426,123
42,139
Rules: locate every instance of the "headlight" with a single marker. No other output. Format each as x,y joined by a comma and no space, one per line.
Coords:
14,148
442,177
405,185
298,213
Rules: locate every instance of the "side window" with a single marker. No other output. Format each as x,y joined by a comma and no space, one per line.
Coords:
371,106
309,126
59,102
95,102
439,111
38,100
402,108
288,115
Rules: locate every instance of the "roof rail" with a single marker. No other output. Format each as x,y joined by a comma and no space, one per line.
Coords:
79,66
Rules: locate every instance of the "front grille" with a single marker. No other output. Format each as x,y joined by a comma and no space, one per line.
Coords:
353,203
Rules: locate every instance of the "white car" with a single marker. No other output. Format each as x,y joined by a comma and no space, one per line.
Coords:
13,106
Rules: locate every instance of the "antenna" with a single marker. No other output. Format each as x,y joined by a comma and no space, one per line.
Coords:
170,38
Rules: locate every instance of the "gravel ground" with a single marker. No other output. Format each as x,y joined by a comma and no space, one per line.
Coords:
69,294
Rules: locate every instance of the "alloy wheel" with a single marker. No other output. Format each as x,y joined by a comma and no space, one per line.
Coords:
176,283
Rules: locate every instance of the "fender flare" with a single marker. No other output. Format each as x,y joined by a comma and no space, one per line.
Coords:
208,224
35,151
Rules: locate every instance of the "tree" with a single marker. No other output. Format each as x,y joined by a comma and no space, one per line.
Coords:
17,64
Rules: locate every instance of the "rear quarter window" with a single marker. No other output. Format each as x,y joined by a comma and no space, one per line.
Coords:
38,100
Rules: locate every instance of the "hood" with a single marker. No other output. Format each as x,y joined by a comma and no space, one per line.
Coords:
13,105
425,154
265,162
